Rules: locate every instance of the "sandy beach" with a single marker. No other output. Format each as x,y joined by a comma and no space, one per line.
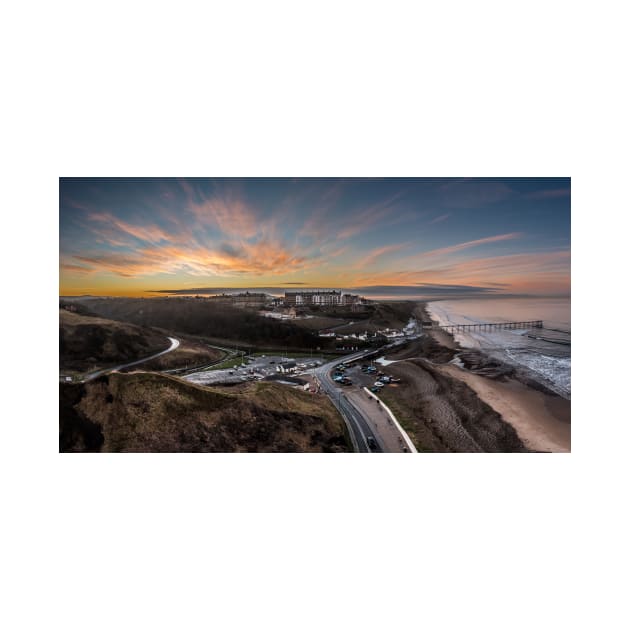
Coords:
475,403
541,420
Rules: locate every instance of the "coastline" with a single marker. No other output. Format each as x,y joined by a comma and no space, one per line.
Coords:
540,417
541,358
541,420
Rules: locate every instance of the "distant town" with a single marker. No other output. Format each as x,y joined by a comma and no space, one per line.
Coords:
327,297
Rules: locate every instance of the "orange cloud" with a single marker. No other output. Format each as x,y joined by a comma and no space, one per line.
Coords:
75,268
148,233
264,257
540,272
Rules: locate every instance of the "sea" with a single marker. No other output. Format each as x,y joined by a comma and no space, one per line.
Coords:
545,353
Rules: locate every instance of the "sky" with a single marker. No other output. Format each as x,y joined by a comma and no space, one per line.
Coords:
400,237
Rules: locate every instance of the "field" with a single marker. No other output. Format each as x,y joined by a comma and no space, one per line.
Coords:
189,354
229,363
318,323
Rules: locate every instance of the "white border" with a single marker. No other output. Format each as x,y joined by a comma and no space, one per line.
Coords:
337,89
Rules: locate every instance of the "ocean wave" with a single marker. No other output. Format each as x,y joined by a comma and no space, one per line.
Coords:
546,358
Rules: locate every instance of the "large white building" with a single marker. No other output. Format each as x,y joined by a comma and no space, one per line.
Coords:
320,298
312,298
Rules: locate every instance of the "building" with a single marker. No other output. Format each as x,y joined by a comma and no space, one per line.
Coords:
313,298
347,299
285,313
248,299
287,367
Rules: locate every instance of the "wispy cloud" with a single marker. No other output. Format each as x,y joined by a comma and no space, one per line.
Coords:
350,232
76,268
225,209
439,219
252,258
379,252
323,220
368,218
515,264
513,272
451,249
425,289
147,232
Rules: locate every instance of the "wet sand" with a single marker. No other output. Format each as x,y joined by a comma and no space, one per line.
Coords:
541,420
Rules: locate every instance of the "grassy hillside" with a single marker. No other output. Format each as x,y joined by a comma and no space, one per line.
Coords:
87,342
145,412
206,318
188,354
443,414
392,314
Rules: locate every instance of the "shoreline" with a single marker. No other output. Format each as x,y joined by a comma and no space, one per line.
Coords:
542,421
541,417
533,376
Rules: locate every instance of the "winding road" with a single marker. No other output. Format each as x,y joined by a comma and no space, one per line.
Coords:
93,375
360,430
364,438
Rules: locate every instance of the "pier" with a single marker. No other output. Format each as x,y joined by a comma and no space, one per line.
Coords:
535,323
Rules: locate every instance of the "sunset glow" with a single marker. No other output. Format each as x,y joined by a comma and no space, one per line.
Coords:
433,237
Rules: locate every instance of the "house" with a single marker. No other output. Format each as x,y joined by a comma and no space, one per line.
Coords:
287,367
